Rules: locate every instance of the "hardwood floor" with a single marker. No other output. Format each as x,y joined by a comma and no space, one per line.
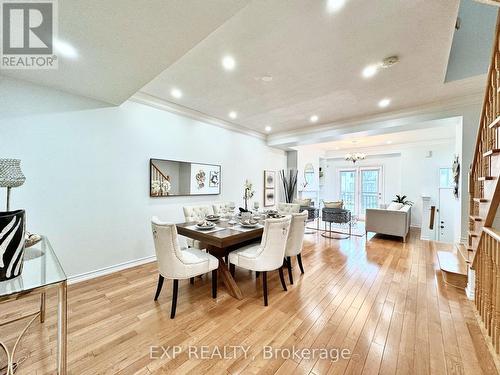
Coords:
384,301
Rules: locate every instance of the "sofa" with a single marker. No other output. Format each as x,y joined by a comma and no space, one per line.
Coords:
390,221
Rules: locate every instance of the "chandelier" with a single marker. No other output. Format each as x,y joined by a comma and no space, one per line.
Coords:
355,157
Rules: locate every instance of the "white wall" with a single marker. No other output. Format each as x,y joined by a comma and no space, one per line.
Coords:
87,170
406,168
420,174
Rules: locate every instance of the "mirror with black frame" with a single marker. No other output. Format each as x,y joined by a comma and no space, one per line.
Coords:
308,174
180,178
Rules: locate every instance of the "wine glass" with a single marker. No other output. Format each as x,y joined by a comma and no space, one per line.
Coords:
256,206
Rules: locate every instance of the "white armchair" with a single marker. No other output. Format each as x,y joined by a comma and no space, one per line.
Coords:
295,241
390,222
175,263
266,256
288,208
196,213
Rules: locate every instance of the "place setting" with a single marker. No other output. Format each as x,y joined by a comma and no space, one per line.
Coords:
208,225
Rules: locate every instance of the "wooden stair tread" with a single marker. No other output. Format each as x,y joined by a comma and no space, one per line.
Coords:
486,178
463,252
480,200
492,152
453,268
473,234
476,218
450,262
495,123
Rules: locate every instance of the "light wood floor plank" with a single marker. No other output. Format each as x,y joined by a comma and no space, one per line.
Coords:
379,298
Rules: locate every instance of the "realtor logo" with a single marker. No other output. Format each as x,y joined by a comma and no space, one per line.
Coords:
28,33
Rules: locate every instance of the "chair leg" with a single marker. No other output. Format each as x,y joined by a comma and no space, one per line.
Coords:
264,286
289,265
214,283
257,274
191,280
299,260
158,288
174,298
282,278
232,269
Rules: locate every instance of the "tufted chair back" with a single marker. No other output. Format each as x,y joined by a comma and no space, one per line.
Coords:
274,242
168,252
218,207
288,208
197,213
296,234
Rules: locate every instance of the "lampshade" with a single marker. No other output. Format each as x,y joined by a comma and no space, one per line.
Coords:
10,173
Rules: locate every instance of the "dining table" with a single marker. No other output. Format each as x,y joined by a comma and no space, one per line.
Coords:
220,241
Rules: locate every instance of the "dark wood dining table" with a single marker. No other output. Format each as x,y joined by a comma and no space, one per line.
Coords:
220,243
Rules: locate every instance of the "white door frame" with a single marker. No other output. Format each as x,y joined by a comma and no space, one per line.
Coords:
357,188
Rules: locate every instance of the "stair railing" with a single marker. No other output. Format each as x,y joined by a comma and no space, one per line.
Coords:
484,195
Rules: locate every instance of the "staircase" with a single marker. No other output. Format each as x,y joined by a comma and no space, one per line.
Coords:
483,245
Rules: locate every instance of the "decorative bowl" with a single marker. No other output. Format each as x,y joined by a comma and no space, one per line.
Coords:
212,217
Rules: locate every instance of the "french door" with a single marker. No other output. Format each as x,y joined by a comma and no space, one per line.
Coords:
360,188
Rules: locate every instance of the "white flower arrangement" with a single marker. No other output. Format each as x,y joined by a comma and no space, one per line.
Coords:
249,192
155,187
165,187
160,187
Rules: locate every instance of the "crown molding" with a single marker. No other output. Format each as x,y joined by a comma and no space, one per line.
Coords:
158,103
392,149
422,113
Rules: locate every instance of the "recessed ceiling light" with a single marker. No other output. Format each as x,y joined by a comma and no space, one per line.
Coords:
268,128
228,63
384,103
337,148
233,114
370,71
65,49
176,93
334,5
314,118
267,78
388,142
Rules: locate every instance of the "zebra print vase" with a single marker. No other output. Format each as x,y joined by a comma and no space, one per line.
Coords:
12,231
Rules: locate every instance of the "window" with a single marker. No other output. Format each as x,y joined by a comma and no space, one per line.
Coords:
445,178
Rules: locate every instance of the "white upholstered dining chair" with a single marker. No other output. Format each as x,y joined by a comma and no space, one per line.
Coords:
288,208
176,264
266,256
219,208
196,213
295,241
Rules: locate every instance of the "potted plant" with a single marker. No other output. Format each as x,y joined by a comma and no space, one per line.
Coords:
402,199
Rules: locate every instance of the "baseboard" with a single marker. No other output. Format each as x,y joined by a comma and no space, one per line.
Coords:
107,270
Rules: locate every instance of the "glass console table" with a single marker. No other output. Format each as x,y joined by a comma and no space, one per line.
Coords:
41,272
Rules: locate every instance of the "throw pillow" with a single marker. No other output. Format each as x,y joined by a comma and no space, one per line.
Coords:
303,202
334,204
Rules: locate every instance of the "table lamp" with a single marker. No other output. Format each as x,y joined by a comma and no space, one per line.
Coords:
10,176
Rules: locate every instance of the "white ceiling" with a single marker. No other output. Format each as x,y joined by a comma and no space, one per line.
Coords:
316,58
123,44
440,131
